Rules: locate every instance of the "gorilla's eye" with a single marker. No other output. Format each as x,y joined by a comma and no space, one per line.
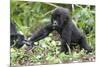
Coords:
58,15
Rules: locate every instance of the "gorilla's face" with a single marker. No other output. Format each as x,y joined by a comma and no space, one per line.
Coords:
59,17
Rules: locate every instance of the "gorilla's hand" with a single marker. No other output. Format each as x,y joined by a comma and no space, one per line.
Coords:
29,45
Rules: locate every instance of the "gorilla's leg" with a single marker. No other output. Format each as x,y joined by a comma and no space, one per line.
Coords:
64,47
83,44
66,39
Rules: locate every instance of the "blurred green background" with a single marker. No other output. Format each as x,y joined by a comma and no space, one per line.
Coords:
31,16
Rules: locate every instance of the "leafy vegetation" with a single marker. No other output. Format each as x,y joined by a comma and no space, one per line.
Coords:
31,16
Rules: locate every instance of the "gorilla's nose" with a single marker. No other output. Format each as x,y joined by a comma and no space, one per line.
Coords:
55,23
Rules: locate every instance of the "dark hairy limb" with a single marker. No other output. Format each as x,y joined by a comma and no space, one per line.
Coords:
15,36
42,33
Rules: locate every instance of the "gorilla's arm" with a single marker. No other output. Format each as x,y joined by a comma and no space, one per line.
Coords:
15,36
42,33
13,29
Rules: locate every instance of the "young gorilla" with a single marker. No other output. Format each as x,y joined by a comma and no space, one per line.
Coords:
15,36
62,23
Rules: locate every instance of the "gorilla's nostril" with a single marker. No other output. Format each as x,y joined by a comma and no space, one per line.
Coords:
55,22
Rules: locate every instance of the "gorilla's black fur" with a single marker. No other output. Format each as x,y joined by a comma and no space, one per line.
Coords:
15,36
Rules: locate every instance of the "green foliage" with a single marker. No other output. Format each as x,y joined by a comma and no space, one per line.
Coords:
31,16
84,17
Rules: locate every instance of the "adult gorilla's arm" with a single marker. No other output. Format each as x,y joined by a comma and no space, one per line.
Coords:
42,33
15,36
